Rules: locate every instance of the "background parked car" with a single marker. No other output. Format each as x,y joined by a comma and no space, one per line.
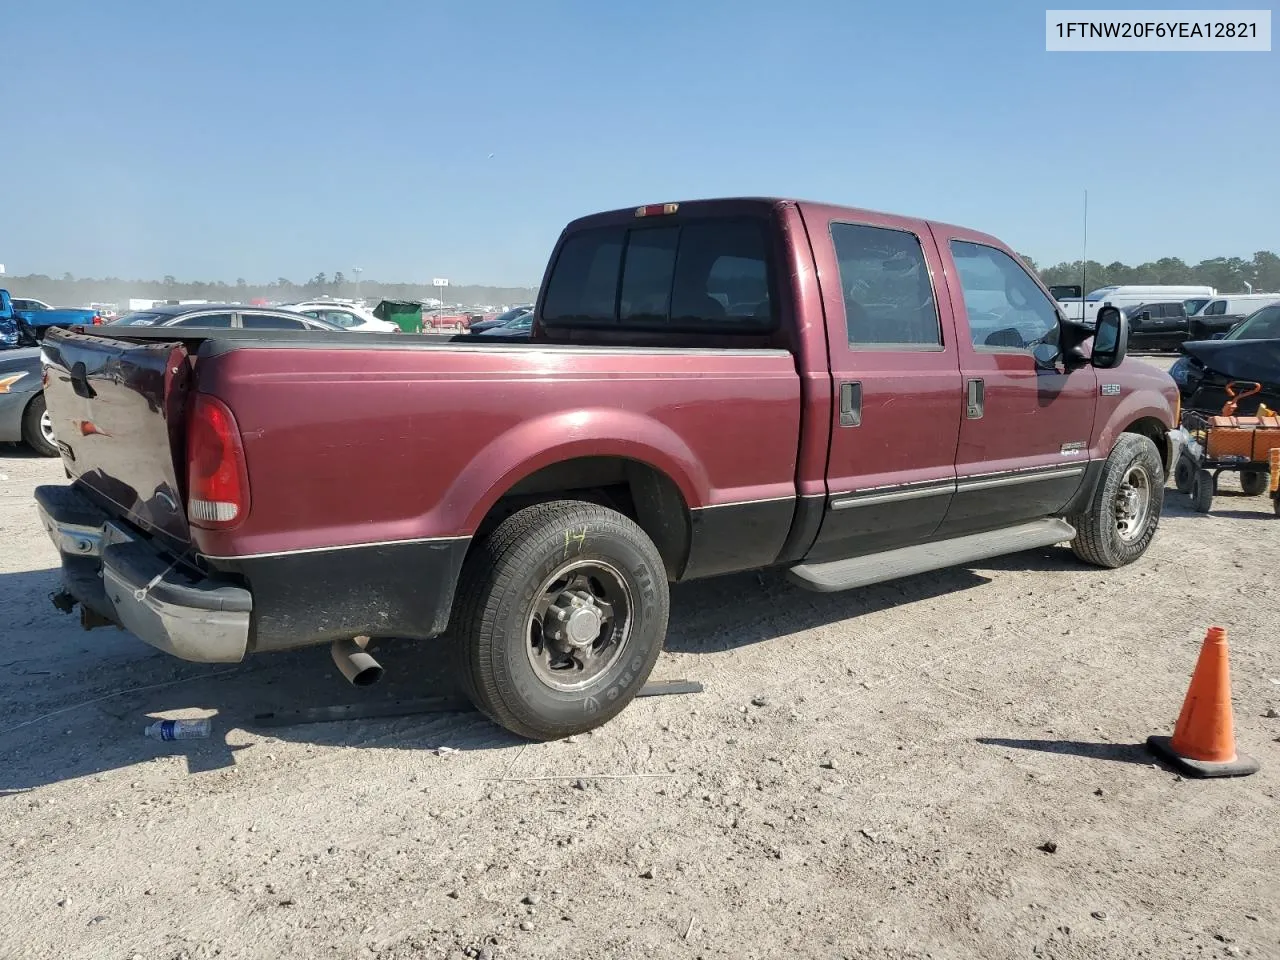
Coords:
521,326
1249,351
1220,314
234,315
23,418
500,320
40,317
1157,326
347,316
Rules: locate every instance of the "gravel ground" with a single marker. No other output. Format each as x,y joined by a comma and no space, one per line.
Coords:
947,766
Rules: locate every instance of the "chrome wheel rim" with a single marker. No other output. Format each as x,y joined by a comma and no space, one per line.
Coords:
1133,503
46,428
579,625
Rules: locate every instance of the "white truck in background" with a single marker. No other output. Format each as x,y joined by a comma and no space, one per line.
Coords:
1129,295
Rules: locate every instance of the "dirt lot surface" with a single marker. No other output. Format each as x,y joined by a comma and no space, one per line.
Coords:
880,774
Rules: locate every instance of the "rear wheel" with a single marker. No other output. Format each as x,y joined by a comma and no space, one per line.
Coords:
37,428
1125,510
1254,482
561,615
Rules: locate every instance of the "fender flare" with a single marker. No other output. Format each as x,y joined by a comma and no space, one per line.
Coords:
524,449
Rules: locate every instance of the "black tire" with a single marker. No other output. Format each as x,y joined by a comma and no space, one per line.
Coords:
33,433
1124,513
505,663
1202,491
1254,483
1184,473
1275,503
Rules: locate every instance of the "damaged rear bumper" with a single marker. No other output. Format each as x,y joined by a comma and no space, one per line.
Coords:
128,581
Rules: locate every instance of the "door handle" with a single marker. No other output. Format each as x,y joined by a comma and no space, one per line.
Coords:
975,395
851,403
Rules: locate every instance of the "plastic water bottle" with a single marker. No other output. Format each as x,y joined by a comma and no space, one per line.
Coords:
180,729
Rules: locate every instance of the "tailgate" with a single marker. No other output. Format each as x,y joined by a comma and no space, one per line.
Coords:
117,410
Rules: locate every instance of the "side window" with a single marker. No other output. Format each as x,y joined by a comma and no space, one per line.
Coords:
1175,310
205,320
339,317
1007,310
1263,325
1217,308
265,321
888,297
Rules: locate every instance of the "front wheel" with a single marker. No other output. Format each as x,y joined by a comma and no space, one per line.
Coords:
561,614
1124,513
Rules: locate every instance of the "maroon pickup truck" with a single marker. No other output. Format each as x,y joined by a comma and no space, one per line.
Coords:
709,387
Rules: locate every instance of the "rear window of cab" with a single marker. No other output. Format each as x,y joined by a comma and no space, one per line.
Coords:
699,276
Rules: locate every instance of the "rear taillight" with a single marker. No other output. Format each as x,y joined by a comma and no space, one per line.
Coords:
217,479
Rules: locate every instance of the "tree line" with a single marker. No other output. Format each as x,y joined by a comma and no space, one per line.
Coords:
1227,274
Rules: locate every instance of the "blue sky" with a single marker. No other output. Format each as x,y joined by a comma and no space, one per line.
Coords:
270,138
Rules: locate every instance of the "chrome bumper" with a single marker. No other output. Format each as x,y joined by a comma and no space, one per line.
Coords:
125,579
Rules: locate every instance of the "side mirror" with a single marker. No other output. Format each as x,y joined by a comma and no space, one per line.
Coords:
1110,339
1144,316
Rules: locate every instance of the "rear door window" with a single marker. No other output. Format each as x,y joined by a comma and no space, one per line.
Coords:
888,295
205,320
701,276
267,321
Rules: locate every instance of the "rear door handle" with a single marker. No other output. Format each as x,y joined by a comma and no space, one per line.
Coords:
851,403
975,397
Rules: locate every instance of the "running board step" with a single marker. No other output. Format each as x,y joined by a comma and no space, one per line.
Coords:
906,561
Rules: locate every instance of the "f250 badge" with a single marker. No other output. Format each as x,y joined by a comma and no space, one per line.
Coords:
1073,449
1109,389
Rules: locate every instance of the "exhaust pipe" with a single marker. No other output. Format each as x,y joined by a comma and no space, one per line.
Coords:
360,669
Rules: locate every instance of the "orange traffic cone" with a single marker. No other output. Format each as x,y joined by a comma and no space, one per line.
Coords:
1204,741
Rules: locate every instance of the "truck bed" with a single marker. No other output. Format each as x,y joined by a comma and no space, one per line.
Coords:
372,451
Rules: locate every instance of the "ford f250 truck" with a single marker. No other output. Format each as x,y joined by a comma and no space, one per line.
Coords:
709,387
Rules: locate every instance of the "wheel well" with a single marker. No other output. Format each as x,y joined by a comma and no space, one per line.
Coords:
643,493
1156,432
